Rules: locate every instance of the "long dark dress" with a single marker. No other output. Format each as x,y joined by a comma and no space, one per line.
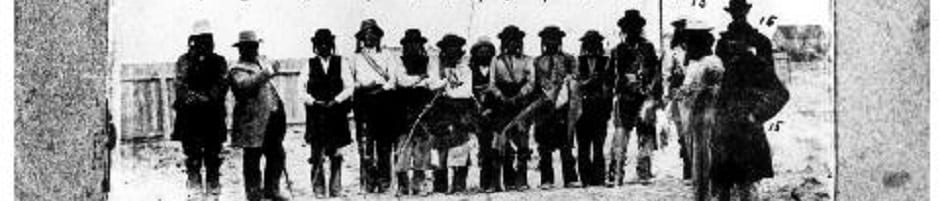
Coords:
750,95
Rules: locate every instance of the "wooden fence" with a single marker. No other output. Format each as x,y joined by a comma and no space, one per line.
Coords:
147,92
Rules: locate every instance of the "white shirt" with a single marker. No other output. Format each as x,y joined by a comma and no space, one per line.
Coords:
366,76
456,81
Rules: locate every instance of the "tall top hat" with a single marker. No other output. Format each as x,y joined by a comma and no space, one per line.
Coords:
369,25
413,36
552,32
738,6
511,32
247,36
591,36
631,19
451,40
322,36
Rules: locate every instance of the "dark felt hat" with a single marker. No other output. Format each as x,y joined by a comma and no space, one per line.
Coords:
451,40
552,32
511,32
322,36
681,23
369,25
738,6
631,19
592,36
413,36
247,36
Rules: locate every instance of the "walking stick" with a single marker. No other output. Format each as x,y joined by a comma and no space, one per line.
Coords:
289,182
420,116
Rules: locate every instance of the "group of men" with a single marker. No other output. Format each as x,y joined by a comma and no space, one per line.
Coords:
416,114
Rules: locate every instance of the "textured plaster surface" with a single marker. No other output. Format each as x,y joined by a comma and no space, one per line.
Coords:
60,92
882,90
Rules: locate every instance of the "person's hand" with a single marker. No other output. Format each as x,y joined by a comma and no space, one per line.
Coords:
387,86
487,112
195,98
330,103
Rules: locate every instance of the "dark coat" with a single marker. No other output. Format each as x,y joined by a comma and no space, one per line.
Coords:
637,57
327,127
750,95
552,125
596,85
258,108
200,98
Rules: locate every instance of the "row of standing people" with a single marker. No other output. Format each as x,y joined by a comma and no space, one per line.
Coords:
430,105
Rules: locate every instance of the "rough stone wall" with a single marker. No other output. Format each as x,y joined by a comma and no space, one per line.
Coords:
882,90
60,92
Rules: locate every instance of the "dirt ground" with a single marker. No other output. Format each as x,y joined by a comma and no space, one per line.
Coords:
802,154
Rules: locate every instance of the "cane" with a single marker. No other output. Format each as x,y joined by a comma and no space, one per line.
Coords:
289,182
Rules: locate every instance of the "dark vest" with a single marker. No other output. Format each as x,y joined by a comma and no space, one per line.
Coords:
325,85
601,74
478,78
415,66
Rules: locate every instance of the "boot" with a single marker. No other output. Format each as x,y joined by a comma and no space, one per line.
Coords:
459,179
485,174
521,177
272,176
253,193
194,176
403,187
598,171
318,180
569,170
212,174
508,175
644,169
335,177
440,180
417,183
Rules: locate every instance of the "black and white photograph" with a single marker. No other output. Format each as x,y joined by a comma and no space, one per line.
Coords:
224,100
428,100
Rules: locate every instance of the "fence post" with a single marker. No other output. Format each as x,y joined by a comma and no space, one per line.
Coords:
164,103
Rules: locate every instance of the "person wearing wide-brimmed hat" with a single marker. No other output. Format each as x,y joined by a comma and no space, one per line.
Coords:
258,120
326,85
751,94
554,69
480,62
512,82
200,109
697,100
377,74
638,92
673,74
413,153
596,91
451,118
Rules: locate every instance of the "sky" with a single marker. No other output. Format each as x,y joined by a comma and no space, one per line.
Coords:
156,31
